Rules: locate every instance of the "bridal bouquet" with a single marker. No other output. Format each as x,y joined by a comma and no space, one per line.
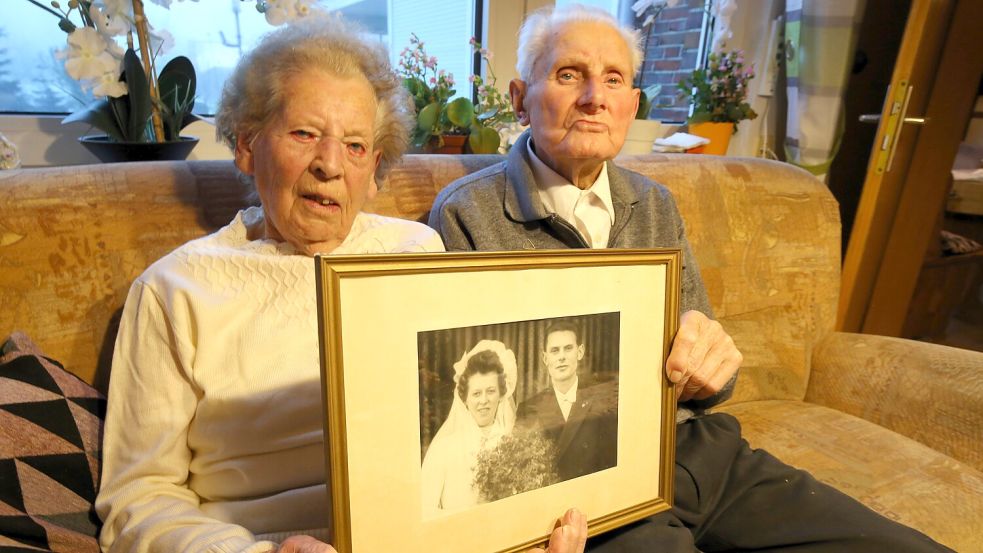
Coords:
520,462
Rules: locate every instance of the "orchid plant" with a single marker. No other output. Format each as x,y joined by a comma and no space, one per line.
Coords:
137,104
437,115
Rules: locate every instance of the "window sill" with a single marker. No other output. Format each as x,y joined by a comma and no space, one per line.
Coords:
42,141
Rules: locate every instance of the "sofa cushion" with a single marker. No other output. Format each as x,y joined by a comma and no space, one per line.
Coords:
50,442
898,477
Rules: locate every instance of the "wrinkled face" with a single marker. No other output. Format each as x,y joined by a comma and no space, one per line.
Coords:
483,397
580,100
562,355
314,161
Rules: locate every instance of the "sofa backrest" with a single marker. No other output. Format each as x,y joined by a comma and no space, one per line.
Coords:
72,239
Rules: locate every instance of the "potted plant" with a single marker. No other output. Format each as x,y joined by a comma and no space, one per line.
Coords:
140,111
718,94
445,125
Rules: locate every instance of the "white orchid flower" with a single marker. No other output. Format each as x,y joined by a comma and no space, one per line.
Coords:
87,56
640,6
122,9
161,41
109,85
278,12
107,22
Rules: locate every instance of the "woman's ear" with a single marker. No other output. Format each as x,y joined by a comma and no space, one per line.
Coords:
374,184
517,91
244,154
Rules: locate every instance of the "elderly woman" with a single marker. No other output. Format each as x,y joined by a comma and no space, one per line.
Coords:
213,439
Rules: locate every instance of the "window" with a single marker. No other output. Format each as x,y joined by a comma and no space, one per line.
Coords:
213,34
674,45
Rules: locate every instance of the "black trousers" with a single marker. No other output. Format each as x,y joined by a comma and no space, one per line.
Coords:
729,497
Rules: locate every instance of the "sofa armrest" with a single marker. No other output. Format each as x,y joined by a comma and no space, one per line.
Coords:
928,392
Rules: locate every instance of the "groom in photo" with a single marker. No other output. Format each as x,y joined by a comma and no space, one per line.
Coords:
577,413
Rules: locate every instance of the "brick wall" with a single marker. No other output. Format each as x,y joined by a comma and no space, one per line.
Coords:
670,54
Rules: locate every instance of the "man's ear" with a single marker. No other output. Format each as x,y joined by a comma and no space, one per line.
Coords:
244,154
580,352
545,362
637,93
517,91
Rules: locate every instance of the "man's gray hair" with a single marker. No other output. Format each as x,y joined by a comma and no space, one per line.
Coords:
536,33
254,93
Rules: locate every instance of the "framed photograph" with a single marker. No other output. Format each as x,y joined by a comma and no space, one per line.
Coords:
472,398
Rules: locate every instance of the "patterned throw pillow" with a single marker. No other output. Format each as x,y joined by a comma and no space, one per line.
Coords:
50,443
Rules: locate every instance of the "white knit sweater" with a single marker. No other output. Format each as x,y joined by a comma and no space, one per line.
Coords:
214,432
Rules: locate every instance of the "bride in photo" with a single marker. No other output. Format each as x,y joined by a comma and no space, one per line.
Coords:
483,411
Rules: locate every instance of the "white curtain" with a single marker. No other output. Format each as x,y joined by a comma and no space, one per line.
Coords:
820,37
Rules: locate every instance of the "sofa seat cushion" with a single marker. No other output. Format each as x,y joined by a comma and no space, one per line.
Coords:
50,442
896,476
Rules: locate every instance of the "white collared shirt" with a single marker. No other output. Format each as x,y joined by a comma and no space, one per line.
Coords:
590,211
567,400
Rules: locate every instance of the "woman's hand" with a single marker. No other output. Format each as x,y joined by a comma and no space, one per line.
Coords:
304,544
569,536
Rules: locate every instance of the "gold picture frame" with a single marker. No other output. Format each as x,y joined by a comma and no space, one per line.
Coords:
378,317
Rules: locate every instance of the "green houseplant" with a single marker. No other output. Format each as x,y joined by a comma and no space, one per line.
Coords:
718,94
439,117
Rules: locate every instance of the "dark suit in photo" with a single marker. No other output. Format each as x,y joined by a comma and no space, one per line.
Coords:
588,440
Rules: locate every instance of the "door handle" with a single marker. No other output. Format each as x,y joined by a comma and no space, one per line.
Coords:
897,118
875,118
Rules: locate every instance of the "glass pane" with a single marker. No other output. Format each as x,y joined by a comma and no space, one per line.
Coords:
213,34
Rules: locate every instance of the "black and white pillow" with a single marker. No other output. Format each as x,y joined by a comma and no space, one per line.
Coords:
50,446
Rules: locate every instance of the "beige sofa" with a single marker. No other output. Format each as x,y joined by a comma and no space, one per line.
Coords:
894,423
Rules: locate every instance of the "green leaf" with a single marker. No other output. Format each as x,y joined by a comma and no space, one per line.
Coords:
483,140
134,124
420,137
177,84
700,117
99,114
427,117
460,112
413,85
492,112
644,106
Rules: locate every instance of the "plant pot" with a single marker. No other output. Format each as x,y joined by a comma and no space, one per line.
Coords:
452,144
108,151
641,136
718,133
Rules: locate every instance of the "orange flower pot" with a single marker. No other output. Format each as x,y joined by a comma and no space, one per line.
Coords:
718,133
452,144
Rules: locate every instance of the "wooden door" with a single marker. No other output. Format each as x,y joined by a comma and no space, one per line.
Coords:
923,119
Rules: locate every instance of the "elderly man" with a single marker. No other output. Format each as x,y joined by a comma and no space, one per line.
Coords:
558,188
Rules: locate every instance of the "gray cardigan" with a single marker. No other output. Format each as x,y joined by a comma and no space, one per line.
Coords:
499,209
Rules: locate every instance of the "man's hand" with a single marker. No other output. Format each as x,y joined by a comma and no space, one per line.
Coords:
703,357
304,544
569,536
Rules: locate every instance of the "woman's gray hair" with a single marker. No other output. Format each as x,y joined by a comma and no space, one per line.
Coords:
254,93
536,34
